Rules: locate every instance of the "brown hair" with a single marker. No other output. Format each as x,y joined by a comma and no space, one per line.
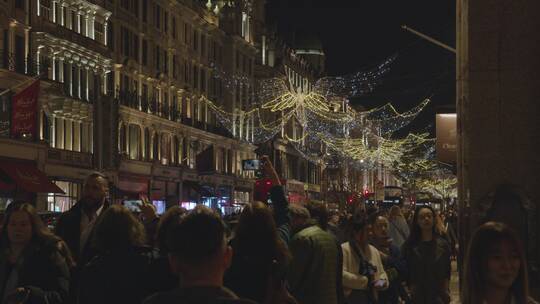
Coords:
118,229
41,235
482,241
166,222
256,234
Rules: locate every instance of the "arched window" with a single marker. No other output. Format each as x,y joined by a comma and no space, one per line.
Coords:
176,150
134,142
147,144
122,141
165,148
155,146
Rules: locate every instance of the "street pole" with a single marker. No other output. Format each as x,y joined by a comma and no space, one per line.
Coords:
426,37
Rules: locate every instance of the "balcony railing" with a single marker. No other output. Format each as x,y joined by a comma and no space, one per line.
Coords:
23,65
33,67
151,105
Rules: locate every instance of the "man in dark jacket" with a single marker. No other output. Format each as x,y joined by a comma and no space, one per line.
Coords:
199,251
75,226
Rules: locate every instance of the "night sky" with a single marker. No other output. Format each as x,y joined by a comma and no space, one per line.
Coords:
359,34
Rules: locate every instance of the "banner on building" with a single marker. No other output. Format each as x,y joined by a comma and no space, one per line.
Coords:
446,146
24,112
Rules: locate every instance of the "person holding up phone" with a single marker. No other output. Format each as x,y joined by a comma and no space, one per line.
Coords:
363,272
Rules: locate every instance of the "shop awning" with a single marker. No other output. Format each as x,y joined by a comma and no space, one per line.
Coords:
27,177
198,188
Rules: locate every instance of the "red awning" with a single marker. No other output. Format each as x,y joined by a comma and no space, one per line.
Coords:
28,178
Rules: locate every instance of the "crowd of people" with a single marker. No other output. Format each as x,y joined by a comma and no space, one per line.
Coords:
276,253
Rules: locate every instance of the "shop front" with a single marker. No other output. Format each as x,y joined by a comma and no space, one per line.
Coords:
22,180
243,193
296,192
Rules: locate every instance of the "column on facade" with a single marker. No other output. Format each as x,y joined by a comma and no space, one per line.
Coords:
52,71
68,134
105,25
61,69
77,136
89,81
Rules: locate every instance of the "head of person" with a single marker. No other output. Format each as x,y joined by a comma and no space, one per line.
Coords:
319,213
395,212
167,221
495,261
333,218
256,233
359,229
118,230
22,225
95,189
423,221
299,216
379,225
198,248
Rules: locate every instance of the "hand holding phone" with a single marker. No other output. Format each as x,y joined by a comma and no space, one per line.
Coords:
379,284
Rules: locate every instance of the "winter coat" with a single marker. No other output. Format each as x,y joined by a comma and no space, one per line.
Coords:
197,295
313,273
427,267
117,277
42,270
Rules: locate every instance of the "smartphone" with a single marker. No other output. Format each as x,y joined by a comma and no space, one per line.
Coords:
379,283
251,164
133,205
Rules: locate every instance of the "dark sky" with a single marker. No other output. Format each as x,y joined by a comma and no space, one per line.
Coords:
358,34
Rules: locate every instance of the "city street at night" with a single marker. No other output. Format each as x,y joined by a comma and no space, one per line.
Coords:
269,151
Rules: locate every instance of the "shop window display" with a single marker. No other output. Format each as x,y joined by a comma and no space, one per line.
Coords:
63,202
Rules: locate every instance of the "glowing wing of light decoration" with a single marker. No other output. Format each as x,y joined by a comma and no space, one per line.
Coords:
356,84
390,120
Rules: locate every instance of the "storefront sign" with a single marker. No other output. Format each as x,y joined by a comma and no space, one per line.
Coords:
294,186
313,188
446,146
24,112
72,158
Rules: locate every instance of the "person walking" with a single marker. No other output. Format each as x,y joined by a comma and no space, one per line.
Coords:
76,225
119,272
364,275
260,258
398,229
390,256
495,267
32,267
199,252
316,266
426,255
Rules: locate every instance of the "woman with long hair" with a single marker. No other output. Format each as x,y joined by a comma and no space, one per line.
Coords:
260,258
163,277
426,256
32,268
398,229
495,267
119,273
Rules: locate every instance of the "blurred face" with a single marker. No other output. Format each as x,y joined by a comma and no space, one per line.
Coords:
425,219
502,265
362,236
334,219
19,228
380,227
95,189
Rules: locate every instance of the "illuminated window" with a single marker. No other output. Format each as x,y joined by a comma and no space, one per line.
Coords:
99,32
45,9
63,202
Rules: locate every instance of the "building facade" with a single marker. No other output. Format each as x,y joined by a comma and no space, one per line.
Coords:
63,44
124,89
